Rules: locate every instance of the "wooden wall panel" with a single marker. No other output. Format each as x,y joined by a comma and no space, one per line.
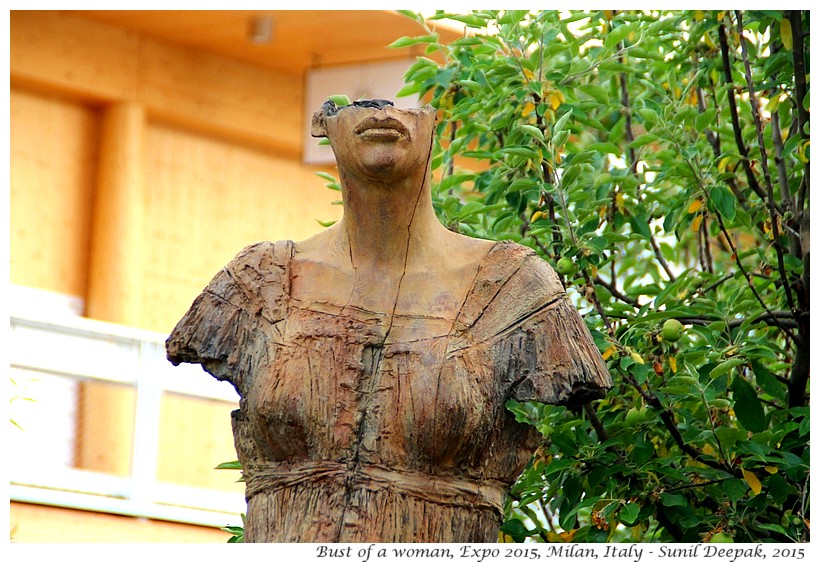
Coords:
67,54
222,96
205,200
205,92
53,163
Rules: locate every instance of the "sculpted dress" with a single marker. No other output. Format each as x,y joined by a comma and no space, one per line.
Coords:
348,434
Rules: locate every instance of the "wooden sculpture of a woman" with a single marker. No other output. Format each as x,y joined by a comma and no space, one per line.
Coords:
373,361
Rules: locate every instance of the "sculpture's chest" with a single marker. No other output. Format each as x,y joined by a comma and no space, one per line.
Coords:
340,387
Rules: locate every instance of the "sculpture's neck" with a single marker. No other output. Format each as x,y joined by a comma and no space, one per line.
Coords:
388,224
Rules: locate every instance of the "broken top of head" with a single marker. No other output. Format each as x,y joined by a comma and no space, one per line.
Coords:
329,108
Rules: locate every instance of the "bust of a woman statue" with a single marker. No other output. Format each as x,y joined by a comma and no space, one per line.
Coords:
373,361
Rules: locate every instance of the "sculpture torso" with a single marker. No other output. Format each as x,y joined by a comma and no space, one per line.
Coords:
385,423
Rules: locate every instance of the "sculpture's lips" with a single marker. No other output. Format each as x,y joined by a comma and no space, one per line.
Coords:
381,127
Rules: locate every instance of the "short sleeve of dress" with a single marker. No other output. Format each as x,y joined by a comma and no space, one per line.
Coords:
539,341
226,327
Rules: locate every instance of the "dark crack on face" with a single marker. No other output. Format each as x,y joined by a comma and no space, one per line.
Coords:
329,108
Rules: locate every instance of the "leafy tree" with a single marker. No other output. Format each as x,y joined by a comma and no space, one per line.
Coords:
660,161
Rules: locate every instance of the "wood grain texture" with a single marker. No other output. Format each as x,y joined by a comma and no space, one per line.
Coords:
344,437
374,360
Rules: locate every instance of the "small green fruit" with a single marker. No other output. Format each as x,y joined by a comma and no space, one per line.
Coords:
565,266
672,330
340,100
720,537
635,416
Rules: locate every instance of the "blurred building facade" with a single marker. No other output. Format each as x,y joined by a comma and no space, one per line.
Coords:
147,148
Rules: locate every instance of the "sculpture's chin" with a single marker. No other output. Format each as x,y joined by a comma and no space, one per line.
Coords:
384,161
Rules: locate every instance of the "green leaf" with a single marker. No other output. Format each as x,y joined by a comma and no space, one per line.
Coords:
725,367
516,529
470,209
610,148
748,409
805,426
455,180
559,138
561,123
629,513
409,90
229,465
724,201
734,489
409,41
640,225
522,184
643,140
557,466
767,381
706,118
520,151
596,92
672,499
532,131
618,34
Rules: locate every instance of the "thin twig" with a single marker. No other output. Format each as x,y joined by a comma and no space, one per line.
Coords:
712,286
661,260
780,162
748,277
693,485
610,286
784,318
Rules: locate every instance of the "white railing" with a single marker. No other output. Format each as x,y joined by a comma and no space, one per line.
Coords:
81,349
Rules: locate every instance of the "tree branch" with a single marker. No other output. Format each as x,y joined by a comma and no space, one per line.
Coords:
741,146
799,377
775,318
593,297
596,423
774,212
712,286
799,65
668,419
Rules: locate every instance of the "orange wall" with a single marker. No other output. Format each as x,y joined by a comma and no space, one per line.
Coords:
205,199
101,63
53,158
220,169
46,524
217,158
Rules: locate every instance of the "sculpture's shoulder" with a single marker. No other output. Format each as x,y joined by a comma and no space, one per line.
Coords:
538,330
260,259
247,294
512,282
525,276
